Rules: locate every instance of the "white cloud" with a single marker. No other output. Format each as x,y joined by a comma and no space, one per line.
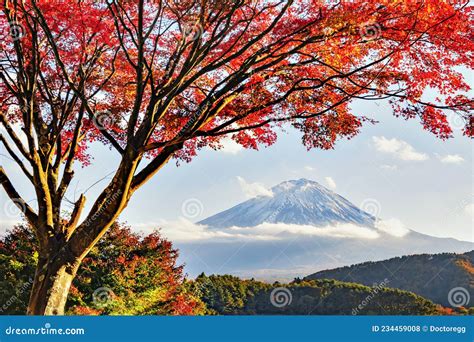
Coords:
330,183
398,148
253,189
183,230
392,227
469,209
451,159
282,230
229,146
186,231
309,168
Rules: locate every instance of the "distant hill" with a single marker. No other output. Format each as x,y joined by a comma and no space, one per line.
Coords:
229,295
430,276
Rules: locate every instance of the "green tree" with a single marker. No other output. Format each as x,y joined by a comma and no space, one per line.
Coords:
125,273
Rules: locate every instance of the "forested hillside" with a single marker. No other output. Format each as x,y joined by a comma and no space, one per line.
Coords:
229,295
430,276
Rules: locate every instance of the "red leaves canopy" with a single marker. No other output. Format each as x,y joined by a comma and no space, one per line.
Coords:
187,73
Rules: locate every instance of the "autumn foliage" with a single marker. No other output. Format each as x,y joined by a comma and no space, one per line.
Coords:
190,58
126,273
157,80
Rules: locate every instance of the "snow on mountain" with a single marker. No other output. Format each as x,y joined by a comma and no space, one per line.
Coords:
299,228
301,202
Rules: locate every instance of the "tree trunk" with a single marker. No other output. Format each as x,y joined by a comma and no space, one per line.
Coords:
51,285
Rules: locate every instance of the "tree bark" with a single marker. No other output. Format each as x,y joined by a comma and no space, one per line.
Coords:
51,285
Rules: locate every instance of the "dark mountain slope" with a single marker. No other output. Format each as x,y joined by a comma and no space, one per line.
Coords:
430,276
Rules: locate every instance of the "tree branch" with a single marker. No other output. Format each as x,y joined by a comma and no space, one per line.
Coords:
154,166
75,216
16,158
15,197
14,137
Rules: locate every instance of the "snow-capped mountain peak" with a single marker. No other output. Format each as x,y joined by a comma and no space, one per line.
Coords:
298,228
301,201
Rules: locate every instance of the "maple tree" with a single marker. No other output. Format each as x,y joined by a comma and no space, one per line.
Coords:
159,80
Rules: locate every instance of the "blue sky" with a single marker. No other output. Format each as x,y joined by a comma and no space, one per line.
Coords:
412,176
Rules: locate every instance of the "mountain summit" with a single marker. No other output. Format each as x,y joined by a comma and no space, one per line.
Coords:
272,237
302,202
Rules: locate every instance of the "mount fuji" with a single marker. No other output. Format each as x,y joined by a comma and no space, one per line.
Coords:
301,227
300,202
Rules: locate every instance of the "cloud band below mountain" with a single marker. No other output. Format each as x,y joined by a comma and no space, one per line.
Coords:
184,231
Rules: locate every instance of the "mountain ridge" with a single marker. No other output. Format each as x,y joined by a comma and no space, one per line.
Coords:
431,276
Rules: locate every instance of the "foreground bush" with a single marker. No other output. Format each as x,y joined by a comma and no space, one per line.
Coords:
124,274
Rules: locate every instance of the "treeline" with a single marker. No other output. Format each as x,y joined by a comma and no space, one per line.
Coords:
229,295
430,276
